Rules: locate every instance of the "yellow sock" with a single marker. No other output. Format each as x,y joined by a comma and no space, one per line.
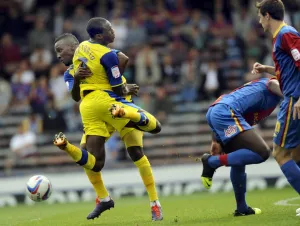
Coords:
146,173
73,151
147,122
144,120
132,114
81,156
97,182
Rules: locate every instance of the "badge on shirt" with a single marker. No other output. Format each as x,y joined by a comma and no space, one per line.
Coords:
115,72
295,53
231,130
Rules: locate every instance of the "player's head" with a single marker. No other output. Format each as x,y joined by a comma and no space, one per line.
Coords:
65,46
100,30
269,11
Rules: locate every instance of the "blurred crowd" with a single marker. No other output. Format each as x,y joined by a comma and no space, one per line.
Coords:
191,50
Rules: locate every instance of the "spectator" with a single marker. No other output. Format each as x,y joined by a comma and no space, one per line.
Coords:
68,28
24,74
58,19
5,95
40,60
33,123
57,84
9,54
40,37
121,32
147,67
170,72
73,119
242,21
23,144
21,91
39,95
14,23
53,118
163,105
211,84
190,77
79,21
136,34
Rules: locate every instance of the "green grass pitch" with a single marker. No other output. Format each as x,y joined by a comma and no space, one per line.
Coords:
198,209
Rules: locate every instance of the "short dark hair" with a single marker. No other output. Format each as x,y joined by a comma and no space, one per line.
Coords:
274,7
69,36
95,26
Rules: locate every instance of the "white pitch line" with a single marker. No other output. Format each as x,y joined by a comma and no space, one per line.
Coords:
285,202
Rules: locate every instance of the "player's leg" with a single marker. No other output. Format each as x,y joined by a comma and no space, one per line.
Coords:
95,178
80,155
287,165
92,164
238,178
95,145
133,141
91,110
296,155
245,145
141,118
286,143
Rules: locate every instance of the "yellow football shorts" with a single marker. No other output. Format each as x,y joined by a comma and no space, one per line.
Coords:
96,118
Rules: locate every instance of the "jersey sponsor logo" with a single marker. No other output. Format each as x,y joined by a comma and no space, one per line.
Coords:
231,130
115,72
295,53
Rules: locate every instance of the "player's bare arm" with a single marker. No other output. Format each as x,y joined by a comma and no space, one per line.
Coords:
274,87
81,73
127,89
123,61
260,68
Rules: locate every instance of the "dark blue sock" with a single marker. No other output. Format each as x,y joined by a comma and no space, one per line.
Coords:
239,180
292,174
240,157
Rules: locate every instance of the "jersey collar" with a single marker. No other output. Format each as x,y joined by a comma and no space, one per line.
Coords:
278,29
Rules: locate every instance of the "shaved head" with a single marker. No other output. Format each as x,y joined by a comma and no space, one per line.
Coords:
69,38
65,46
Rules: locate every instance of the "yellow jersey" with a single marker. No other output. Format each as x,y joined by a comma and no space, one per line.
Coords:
103,63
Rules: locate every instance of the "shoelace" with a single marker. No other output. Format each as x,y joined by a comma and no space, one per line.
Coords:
156,210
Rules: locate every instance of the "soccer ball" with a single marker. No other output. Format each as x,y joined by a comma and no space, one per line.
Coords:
38,188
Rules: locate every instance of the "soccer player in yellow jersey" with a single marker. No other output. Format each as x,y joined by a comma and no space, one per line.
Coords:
65,46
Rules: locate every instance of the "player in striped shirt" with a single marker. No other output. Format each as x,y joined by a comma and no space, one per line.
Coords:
286,57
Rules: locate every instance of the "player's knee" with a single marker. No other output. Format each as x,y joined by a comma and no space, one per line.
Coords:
265,154
98,166
135,153
281,155
157,128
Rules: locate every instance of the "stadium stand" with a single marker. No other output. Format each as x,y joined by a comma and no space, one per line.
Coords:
183,54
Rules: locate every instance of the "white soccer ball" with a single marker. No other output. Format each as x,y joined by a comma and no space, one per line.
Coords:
298,212
38,188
